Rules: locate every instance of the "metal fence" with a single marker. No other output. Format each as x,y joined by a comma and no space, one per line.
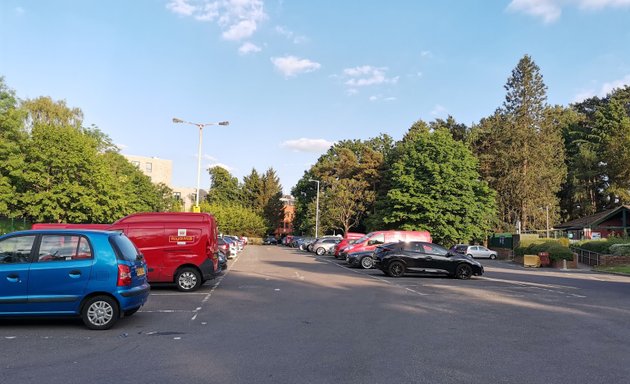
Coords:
587,257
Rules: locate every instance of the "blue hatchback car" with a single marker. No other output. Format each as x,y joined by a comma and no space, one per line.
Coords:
98,275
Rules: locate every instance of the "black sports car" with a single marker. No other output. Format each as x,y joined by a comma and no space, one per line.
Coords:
419,256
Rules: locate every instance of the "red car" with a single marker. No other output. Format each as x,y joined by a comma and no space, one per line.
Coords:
347,240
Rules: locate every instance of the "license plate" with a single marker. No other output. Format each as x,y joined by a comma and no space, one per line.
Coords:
140,271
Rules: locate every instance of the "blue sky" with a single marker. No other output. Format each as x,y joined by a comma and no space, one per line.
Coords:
293,77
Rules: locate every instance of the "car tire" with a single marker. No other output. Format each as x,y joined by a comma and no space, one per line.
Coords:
100,313
493,256
188,280
463,272
320,251
130,312
471,256
367,262
396,269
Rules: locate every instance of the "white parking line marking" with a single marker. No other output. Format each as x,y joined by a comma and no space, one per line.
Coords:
209,294
167,311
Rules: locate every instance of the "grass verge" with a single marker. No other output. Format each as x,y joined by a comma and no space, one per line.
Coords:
615,269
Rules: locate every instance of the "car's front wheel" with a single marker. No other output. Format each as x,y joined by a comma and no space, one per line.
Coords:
188,279
493,256
396,269
463,271
100,313
320,251
367,262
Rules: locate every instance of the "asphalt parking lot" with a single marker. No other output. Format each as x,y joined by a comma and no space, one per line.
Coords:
285,316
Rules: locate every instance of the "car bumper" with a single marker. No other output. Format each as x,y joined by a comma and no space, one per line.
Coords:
134,297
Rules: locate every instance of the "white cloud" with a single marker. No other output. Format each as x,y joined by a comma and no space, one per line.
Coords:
551,10
20,11
307,145
181,7
208,157
291,66
121,147
604,90
381,98
290,35
238,19
367,75
426,54
224,166
439,111
351,91
248,48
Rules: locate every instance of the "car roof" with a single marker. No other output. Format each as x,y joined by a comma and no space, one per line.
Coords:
61,232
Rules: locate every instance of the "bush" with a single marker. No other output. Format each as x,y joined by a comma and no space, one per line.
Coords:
620,249
602,246
555,249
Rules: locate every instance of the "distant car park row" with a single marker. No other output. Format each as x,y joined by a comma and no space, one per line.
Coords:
399,252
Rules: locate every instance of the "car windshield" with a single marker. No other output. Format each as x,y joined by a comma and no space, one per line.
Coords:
364,238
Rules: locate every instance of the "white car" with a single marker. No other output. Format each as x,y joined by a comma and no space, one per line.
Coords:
476,251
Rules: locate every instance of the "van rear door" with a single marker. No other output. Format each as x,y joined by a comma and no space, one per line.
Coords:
149,239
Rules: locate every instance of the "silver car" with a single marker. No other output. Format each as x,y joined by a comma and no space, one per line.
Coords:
476,251
324,245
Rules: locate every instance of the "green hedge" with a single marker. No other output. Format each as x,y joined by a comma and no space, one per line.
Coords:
555,249
620,249
602,246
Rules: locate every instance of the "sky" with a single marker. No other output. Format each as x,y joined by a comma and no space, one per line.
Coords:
294,77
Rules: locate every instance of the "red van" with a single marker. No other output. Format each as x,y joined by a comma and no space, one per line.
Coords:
179,247
346,241
370,241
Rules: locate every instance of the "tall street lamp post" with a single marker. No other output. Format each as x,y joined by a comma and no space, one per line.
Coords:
316,209
200,126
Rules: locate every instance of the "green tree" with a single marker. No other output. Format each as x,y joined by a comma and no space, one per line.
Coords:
273,207
235,219
12,157
252,192
224,187
521,150
435,186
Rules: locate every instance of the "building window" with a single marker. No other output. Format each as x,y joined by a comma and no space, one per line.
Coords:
177,195
136,163
148,167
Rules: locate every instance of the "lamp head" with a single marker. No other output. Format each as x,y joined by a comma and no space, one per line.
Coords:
176,120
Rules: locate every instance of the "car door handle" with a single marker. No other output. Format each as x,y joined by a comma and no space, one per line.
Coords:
75,273
13,278
428,258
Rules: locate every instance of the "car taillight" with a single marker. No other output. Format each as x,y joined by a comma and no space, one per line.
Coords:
124,275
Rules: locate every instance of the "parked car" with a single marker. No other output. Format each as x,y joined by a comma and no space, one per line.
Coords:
476,251
270,240
363,259
370,241
348,239
227,248
232,246
324,245
223,261
419,256
303,242
179,247
97,275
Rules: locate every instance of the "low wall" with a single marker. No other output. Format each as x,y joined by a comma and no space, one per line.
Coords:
612,260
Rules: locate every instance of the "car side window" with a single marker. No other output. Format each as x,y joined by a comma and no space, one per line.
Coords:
377,239
434,250
14,250
63,248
